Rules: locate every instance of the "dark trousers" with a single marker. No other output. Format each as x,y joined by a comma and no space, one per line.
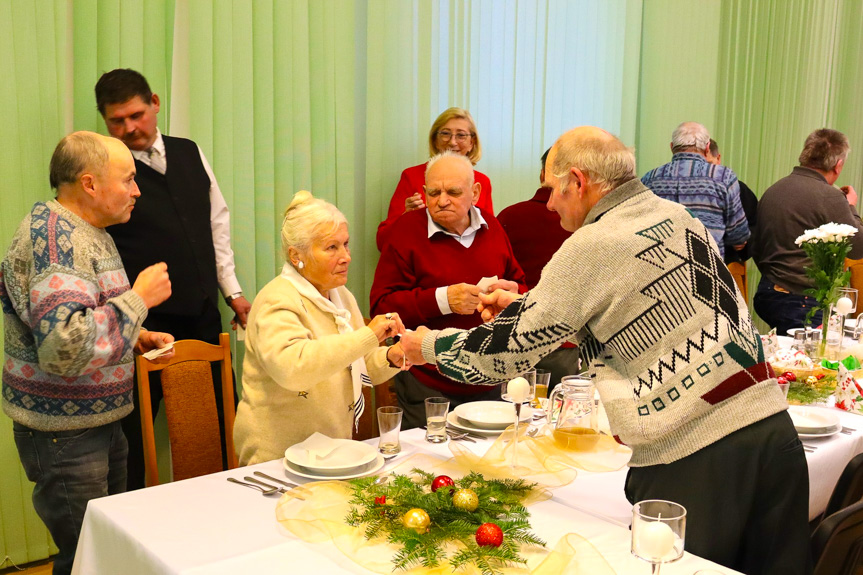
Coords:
746,498
782,310
412,394
207,326
561,362
69,469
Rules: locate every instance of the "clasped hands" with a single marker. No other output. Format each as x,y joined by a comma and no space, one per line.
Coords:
489,306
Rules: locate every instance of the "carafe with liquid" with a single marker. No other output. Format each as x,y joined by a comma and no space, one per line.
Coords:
576,427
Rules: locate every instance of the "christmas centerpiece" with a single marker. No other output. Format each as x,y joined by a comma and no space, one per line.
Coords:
437,519
827,246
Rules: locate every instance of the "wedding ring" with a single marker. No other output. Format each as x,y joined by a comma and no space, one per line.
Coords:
388,315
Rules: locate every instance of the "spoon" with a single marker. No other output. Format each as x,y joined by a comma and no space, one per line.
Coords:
270,490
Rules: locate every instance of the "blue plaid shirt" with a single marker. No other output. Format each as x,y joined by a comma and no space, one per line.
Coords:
710,192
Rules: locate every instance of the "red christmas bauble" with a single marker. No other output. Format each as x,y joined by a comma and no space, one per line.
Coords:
442,481
489,535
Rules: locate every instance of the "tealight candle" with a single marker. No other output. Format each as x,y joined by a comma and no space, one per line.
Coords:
844,305
518,389
654,539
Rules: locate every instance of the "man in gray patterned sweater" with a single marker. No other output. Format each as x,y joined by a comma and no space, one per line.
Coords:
641,288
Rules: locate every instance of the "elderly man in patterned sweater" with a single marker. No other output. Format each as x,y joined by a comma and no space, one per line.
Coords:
71,326
671,348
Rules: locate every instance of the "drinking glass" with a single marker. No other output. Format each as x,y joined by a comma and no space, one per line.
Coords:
658,532
800,340
436,412
543,379
844,310
517,393
389,424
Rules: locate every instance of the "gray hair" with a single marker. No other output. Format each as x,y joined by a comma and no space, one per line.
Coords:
824,149
75,154
689,135
304,218
450,154
607,161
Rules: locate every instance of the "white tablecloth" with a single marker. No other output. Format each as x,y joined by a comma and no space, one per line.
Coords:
209,526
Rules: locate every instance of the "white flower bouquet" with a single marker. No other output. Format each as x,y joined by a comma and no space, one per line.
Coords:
827,246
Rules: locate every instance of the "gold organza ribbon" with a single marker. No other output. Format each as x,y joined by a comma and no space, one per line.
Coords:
540,459
321,517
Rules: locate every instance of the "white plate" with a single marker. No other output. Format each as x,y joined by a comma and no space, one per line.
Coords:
366,469
459,423
347,456
818,435
491,414
814,421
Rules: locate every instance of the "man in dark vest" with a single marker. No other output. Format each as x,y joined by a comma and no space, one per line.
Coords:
182,219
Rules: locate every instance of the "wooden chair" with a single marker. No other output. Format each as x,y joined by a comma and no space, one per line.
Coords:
190,407
837,544
856,267
378,396
738,272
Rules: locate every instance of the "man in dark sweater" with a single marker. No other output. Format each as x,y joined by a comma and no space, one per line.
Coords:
181,218
536,234
429,272
803,200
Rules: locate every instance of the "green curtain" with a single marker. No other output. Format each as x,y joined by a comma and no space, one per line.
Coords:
337,96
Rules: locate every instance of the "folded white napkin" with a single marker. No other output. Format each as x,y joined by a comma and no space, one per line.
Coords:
154,353
318,446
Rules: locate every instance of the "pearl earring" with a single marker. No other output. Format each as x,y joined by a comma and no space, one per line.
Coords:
301,265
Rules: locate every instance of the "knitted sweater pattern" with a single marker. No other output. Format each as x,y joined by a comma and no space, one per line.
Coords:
670,344
71,322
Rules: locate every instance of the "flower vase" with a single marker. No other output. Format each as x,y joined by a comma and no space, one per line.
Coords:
831,334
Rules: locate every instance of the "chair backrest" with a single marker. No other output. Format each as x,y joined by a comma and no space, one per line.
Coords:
837,543
856,282
849,488
190,408
738,272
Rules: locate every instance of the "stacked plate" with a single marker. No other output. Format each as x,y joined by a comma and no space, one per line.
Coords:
343,459
487,417
811,422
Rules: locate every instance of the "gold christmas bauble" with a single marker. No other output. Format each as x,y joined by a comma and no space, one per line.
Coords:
465,499
417,519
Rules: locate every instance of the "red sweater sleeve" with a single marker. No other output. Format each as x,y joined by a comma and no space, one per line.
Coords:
404,190
395,290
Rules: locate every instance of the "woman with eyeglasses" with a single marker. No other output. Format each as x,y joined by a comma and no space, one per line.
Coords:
453,130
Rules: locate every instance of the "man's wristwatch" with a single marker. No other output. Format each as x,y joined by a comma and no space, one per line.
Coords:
233,296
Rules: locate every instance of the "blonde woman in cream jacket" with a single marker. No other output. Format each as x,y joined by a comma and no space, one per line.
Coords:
308,351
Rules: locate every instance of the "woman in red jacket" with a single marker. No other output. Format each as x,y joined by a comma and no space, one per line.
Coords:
453,130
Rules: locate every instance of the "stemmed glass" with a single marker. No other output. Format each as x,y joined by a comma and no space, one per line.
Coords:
845,305
518,391
658,532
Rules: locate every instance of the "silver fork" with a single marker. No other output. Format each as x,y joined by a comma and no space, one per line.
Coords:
269,490
848,430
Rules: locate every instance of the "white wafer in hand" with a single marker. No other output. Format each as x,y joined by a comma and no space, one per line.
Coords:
154,353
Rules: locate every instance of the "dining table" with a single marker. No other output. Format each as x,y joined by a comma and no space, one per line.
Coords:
207,525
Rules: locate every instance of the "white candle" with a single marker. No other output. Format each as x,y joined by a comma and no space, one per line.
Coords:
844,305
518,389
654,539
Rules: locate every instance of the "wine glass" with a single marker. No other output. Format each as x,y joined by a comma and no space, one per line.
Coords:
845,305
518,390
658,532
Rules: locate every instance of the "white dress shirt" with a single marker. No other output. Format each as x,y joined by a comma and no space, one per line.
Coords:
466,239
220,221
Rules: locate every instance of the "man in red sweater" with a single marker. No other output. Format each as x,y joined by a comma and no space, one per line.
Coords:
429,271
536,234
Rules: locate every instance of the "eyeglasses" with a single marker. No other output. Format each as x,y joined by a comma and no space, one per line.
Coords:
460,137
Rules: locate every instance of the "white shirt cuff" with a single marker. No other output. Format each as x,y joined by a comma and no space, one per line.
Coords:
442,300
